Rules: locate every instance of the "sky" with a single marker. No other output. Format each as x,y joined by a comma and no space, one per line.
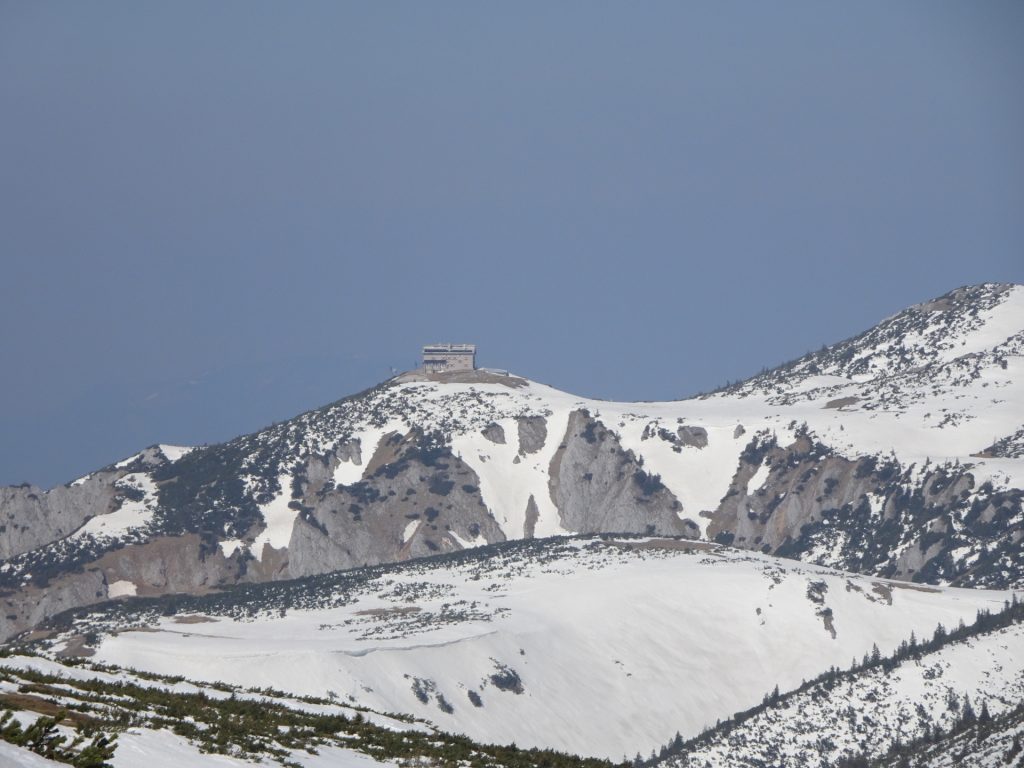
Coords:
214,216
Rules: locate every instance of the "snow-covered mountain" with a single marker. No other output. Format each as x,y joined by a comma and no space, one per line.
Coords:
895,453
595,646
955,699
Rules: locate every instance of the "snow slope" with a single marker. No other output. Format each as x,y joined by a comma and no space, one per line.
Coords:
870,712
594,647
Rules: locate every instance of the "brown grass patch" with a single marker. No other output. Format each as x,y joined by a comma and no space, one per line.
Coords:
76,648
193,619
45,707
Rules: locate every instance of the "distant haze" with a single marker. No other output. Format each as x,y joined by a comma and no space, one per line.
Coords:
214,216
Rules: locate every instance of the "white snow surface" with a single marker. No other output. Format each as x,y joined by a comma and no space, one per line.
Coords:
175,452
130,517
278,519
17,757
164,749
122,589
871,710
615,648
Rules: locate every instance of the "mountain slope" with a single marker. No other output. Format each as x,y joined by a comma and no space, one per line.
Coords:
167,721
599,647
894,453
928,698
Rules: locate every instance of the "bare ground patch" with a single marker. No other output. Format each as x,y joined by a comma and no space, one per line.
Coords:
76,647
398,610
193,619
842,402
684,545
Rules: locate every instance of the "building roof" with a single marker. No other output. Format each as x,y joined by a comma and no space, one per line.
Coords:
448,348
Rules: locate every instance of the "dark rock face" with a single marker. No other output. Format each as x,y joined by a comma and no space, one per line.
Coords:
697,437
31,517
533,433
495,433
532,515
684,436
599,487
422,502
871,516
161,566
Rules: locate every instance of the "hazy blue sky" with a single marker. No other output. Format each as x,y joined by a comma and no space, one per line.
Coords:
216,215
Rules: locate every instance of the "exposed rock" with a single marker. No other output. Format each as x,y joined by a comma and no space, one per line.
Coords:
532,515
30,606
350,450
385,453
317,472
599,487
871,516
32,517
166,564
494,433
162,566
477,376
366,523
842,402
696,437
684,436
533,433
1009,447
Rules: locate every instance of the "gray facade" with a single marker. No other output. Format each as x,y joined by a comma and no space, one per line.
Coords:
439,358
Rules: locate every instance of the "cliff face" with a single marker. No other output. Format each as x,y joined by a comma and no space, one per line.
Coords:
893,453
599,487
33,517
417,501
871,515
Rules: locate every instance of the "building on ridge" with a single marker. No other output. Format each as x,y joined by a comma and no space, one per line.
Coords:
440,358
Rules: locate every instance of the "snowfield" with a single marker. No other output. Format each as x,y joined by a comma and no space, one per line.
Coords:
595,647
876,708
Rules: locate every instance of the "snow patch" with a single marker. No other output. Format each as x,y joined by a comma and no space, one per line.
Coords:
230,546
132,515
278,518
410,529
175,452
759,479
122,589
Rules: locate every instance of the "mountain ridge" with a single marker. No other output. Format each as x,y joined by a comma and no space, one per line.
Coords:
891,453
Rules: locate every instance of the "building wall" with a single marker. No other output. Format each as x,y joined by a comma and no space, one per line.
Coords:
450,361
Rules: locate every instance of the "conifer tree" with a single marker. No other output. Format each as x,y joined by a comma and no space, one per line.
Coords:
968,717
984,717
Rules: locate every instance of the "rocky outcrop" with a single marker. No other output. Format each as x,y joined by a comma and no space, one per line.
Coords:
599,487
533,433
350,450
532,516
495,433
162,566
424,501
695,437
32,517
872,516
